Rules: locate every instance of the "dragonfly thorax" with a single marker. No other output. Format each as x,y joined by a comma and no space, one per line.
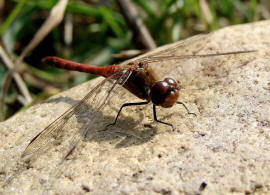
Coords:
164,93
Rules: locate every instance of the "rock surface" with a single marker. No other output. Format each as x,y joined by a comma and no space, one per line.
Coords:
225,149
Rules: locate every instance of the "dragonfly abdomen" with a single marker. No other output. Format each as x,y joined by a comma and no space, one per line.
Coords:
69,65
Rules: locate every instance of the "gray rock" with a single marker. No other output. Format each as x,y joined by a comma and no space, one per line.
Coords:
225,149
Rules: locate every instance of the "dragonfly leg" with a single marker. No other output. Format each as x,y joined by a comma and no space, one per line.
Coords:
125,105
155,118
186,108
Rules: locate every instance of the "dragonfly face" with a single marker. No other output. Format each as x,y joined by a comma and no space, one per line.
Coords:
164,93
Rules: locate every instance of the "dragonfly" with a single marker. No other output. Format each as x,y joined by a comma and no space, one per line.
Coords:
137,76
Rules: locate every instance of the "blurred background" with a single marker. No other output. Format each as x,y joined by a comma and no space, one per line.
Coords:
98,32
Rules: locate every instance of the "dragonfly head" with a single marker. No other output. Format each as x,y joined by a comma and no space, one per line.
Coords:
164,93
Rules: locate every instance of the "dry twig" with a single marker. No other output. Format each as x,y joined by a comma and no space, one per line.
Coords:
134,21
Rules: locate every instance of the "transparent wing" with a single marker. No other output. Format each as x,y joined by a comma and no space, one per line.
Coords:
80,116
170,50
175,57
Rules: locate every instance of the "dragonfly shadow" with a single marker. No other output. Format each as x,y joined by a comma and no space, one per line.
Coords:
125,133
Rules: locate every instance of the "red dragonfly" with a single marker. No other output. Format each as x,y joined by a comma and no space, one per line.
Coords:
137,76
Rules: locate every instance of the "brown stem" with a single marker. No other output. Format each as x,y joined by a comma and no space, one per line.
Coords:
135,23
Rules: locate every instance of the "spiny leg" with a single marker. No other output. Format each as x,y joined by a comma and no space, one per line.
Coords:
186,108
125,105
155,118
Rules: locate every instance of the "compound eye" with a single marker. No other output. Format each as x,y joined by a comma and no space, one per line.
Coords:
170,99
160,87
164,93
171,82
158,92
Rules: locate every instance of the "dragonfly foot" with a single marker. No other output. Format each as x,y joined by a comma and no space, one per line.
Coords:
187,108
159,121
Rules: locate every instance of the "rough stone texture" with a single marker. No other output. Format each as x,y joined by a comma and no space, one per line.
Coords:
225,149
